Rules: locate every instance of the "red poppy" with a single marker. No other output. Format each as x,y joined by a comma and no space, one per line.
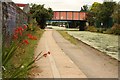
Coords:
48,52
30,37
20,29
45,55
25,41
16,31
20,33
25,27
15,36
34,38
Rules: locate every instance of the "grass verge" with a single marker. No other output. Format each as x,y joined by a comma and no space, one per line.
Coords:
24,54
68,37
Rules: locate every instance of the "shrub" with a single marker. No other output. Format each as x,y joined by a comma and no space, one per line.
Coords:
116,29
108,31
31,27
101,30
92,29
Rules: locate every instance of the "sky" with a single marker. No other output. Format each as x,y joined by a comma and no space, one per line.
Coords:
62,5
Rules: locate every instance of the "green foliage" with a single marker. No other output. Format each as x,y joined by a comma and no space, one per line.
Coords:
95,8
68,37
116,14
91,15
101,30
105,12
116,29
55,23
84,8
18,58
32,25
101,13
90,18
41,14
91,29
108,31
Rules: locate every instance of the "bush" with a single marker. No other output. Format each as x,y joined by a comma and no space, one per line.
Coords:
31,27
116,29
91,29
108,31
101,30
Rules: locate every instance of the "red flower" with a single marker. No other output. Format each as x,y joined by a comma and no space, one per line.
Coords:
34,38
20,33
31,37
16,31
20,29
28,35
25,27
25,41
45,55
15,36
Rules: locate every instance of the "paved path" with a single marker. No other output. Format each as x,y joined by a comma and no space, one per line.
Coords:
92,62
57,64
70,61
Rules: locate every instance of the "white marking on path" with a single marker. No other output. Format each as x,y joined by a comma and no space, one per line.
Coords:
55,71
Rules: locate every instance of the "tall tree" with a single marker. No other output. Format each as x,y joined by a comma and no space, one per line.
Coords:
116,14
84,8
90,18
95,8
105,12
91,15
41,14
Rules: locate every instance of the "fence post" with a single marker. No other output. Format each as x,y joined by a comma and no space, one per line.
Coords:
0,40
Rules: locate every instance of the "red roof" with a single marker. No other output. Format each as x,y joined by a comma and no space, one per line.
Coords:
21,5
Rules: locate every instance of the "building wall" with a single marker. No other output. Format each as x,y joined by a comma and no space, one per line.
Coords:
12,17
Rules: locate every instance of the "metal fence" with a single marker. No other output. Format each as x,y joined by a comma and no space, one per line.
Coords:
12,17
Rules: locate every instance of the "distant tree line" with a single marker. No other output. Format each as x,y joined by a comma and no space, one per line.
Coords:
105,14
103,17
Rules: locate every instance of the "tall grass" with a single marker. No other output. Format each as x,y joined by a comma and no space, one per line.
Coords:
18,58
68,37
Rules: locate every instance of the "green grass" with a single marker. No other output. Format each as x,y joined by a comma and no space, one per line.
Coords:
24,54
68,37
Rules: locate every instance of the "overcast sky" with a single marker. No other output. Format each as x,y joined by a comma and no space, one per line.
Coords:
62,5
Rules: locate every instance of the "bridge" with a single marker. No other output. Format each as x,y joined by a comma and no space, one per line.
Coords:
73,18
64,15
69,16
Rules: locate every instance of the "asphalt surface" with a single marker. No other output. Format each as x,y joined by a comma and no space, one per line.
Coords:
93,63
55,65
